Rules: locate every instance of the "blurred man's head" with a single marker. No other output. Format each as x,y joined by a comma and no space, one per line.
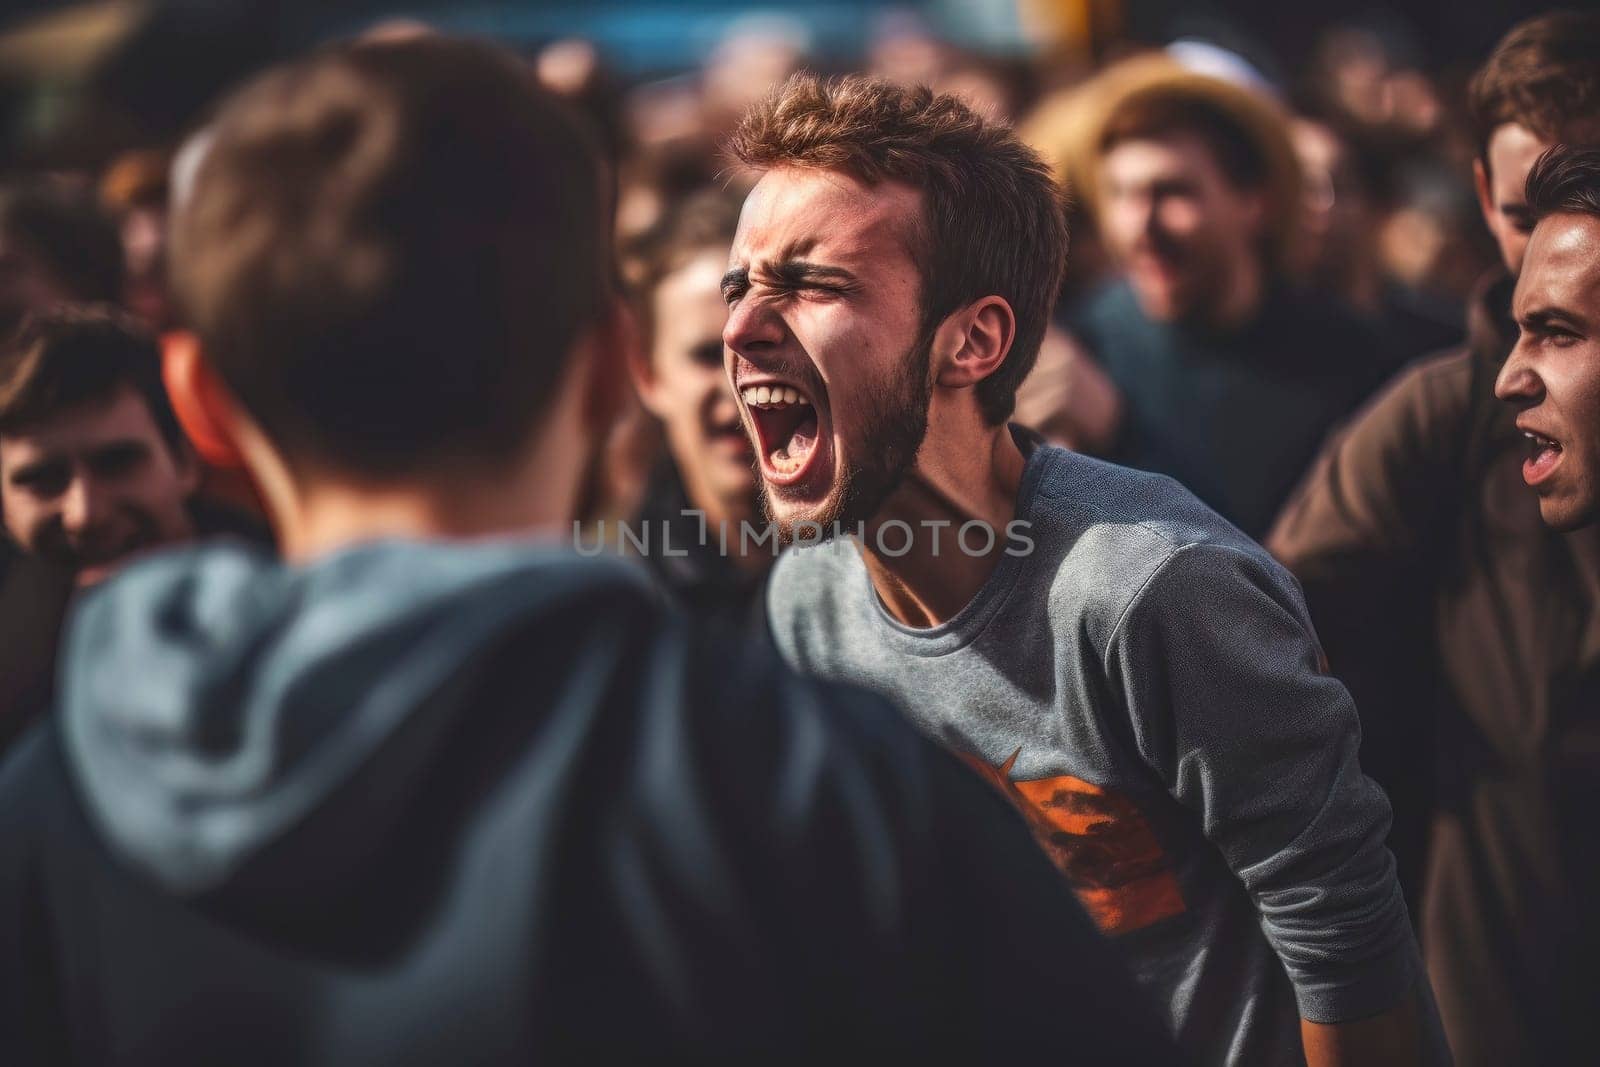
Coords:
1196,195
56,247
1540,87
680,377
393,255
93,466
1553,374
1335,249
134,190
900,255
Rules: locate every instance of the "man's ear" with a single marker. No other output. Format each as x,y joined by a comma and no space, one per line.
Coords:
971,344
610,353
1480,182
205,409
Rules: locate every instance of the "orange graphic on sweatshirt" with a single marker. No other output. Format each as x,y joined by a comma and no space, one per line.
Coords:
1101,842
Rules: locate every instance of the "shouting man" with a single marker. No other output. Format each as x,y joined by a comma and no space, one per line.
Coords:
1138,676
1461,622
1553,374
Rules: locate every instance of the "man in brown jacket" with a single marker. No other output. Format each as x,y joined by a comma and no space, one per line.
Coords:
1468,631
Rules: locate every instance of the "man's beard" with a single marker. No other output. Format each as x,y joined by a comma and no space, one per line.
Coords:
896,422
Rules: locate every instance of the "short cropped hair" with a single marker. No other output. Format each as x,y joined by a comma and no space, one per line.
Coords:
993,221
389,251
1565,181
1544,75
76,356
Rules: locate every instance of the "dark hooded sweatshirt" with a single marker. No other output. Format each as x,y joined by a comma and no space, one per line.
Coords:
1469,634
443,804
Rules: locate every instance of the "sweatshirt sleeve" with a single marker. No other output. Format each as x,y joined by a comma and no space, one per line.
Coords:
1220,672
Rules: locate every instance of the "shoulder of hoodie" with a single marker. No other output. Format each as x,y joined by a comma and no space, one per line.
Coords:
748,720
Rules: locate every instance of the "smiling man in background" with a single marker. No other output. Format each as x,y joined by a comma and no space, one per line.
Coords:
93,464
703,490
1230,372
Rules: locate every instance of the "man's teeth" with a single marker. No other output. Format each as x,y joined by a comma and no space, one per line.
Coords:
773,396
1538,445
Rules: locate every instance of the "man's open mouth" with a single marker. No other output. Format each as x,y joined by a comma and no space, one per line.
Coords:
1544,454
785,423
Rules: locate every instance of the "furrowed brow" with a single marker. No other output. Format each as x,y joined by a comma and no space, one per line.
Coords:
1543,318
798,272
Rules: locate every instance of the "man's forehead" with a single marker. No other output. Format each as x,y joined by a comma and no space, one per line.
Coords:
1513,149
1562,265
123,416
1175,151
798,212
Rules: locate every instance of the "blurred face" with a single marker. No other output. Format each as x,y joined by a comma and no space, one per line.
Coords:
1182,232
687,388
144,241
1334,226
1512,151
1553,374
93,485
823,343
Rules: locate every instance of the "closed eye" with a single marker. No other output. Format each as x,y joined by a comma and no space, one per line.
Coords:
735,284
118,460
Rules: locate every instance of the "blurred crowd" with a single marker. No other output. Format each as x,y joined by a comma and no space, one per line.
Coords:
1289,290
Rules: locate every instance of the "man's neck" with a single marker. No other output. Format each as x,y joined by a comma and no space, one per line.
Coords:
1241,298
336,516
316,515
959,478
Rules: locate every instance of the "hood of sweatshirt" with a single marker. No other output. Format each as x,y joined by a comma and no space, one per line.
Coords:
213,699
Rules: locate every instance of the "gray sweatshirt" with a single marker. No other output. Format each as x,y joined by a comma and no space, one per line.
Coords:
1143,681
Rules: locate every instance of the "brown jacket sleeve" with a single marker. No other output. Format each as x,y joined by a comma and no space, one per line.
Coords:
1373,498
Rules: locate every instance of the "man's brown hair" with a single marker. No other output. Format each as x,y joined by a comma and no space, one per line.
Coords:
992,223
1565,181
77,356
389,251
1544,75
